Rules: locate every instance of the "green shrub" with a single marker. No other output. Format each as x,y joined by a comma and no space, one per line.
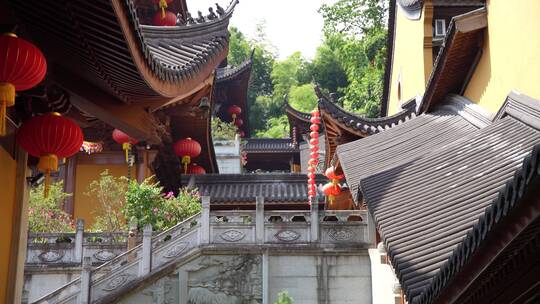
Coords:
284,298
145,204
45,214
109,192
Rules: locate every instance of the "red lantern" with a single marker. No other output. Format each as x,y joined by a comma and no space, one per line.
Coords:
311,169
315,120
164,19
331,174
187,149
315,113
314,141
234,110
49,137
314,127
125,140
195,169
314,134
163,4
22,66
311,175
238,122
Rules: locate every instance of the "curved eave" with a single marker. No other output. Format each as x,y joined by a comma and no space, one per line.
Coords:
103,43
234,73
363,126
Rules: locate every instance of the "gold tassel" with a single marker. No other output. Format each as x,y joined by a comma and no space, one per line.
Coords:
185,161
126,147
48,163
163,5
7,99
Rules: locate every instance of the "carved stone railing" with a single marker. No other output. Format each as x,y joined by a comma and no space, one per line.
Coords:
217,228
61,249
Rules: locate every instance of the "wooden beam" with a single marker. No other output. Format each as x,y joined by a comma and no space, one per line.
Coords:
69,184
20,231
133,119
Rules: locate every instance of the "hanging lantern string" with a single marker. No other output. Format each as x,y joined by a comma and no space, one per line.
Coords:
314,155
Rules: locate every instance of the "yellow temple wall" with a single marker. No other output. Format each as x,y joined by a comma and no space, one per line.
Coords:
7,202
86,206
511,58
412,57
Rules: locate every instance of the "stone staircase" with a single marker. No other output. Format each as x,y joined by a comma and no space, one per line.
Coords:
241,230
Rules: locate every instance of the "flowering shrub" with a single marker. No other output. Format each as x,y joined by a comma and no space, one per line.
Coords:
45,214
145,204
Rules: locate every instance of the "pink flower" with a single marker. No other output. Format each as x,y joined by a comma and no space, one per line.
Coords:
155,210
170,194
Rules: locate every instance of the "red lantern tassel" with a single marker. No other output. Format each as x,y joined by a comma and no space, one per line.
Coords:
7,99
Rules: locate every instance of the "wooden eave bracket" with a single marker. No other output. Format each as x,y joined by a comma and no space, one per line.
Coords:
133,119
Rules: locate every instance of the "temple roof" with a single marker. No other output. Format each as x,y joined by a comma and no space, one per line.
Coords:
104,43
227,189
233,72
342,126
457,57
428,183
399,145
270,145
299,122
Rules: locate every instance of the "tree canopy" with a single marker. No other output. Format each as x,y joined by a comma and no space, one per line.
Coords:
350,61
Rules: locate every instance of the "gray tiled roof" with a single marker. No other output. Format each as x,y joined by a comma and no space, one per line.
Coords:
244,188
230,72
268,145
87,36
426,205
365,125
400,144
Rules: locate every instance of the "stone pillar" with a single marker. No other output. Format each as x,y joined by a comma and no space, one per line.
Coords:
265,279
84,295
370,232
146,261
205,220
183,286
79,240
259,220
314,225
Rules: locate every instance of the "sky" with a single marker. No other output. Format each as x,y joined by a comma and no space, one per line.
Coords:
291,25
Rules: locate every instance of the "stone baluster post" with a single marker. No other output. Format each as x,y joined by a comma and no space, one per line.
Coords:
314,225
146,261
79,241
205,220
84,295
132,240
259,220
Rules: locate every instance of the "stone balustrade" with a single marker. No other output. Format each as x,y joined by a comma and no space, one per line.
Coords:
213,229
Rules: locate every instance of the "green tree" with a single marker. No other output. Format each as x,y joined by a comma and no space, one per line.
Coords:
355,31
222,130
327,70
276,127
109,192
303,97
